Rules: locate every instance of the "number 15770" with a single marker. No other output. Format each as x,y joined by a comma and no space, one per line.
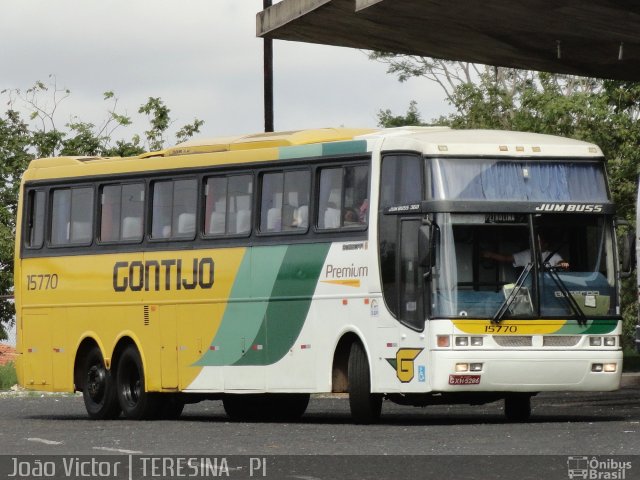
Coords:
46,281
501,329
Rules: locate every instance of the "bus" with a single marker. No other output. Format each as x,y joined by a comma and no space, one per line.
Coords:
417,265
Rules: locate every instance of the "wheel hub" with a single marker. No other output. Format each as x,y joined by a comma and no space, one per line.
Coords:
96,382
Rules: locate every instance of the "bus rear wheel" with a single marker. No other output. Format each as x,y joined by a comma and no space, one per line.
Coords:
517,407
98,388
135,401
365,406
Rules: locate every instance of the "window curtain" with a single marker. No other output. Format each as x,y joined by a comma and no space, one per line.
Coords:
477,179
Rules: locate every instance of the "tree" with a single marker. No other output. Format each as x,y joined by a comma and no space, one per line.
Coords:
14,158
39,135
604,112
412,117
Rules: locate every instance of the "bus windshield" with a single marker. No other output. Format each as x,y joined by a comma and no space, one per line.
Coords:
518,180
560,266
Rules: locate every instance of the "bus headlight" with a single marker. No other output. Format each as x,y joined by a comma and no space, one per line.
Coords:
609,341
462,367
462,341
475,367
476,341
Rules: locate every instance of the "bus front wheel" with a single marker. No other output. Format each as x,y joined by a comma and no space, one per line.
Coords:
365,406
98,389
135,401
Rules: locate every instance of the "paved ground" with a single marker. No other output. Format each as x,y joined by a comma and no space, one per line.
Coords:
562,424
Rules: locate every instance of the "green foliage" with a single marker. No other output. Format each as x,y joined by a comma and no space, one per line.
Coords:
14,157
631,360
189,130
387,120
603,112
34,134
8,377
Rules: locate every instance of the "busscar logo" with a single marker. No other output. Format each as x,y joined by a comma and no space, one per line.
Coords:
403,363
570,207
597,468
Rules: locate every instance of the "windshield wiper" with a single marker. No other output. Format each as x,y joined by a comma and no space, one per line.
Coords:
573,305
497,318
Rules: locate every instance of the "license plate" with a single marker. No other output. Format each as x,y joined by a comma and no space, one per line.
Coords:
464,379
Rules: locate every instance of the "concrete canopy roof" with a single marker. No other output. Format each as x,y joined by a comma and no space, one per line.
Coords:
595,38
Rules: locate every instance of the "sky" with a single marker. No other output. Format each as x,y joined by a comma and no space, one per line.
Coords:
202,57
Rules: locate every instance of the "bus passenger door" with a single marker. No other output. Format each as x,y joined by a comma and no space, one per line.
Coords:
411,275
403,288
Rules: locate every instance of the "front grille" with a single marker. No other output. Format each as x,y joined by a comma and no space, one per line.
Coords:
513,340
560,340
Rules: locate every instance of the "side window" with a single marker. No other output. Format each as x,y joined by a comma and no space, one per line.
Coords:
284,205
228,201
344,197
122,213
174,209
72,216
34,237
400,180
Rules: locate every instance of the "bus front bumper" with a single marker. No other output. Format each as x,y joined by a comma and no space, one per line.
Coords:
525,371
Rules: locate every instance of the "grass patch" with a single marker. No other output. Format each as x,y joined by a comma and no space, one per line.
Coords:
8,376
631,361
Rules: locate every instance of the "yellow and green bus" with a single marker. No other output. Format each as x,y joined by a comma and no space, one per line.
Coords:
417,265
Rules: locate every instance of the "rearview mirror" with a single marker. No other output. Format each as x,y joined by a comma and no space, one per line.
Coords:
424,246
626,247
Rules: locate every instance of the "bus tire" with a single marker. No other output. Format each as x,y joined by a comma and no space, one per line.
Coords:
284,407
98,388
517,408
238,407
135,401
365,406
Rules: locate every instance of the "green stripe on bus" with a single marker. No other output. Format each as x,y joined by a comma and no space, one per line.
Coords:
343,148
323,149
290,302
268,306
247,305
593,327
300,151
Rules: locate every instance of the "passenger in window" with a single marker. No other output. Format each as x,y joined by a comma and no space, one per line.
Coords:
350,217
521,259
363,211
